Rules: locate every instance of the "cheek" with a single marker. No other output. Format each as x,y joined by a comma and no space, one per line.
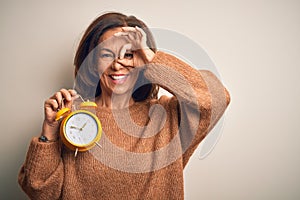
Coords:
135,75
102,66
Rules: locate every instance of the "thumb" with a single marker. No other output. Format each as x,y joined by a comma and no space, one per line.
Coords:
125,48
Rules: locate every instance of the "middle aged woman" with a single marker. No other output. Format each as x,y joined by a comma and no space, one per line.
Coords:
147,140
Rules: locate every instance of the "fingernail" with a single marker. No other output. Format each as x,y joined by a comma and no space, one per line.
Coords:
76,96
118,34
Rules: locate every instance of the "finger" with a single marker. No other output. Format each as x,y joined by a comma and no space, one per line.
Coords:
132,36
66,94
138,59
118,34
124,49
140,30
143,36
128,29
133,33
58,98
128,36
137,30
51,103
126,63
73,93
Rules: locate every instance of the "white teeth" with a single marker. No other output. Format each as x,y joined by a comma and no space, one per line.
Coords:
118,77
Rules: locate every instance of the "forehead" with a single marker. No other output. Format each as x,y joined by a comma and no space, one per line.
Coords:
109,41
109,33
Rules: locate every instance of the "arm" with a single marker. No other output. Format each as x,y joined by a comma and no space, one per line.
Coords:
42,173
202,98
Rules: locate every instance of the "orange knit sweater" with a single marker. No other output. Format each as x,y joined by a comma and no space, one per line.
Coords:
144,147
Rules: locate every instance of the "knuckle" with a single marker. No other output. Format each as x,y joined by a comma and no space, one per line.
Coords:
63,91
57,94
53,100
50,102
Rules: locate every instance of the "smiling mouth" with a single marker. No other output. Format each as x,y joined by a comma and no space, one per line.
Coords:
119,78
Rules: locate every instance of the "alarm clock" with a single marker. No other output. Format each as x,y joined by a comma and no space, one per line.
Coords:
80,130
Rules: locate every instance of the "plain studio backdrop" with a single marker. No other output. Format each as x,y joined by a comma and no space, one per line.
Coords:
255,46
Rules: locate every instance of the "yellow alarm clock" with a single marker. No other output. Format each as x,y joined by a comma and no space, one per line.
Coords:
80,130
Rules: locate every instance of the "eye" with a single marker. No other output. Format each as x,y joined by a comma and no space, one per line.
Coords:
128,55
106,55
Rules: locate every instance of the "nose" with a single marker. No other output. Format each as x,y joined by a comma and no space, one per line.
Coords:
116,64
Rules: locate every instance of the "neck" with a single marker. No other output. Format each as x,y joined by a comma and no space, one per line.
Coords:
115,101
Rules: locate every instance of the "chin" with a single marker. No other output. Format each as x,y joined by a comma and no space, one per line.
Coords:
119,90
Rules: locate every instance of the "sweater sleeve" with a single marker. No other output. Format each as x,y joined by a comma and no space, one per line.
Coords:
201,98
41,175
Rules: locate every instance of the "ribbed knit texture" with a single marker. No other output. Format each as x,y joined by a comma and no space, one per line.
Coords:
133,162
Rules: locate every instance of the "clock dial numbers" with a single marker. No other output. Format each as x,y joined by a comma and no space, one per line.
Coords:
81,129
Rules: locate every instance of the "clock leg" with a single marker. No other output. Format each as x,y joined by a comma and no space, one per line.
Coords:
76,151
98,145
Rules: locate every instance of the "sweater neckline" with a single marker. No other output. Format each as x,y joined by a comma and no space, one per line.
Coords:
135,107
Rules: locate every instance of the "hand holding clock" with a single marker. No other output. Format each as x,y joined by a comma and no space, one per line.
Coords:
59,100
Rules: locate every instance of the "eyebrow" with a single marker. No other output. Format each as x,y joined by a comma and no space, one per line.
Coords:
105,49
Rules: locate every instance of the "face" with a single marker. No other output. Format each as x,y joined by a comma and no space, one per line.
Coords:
116,75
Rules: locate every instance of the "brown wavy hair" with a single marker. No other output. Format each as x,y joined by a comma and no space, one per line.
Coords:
87,82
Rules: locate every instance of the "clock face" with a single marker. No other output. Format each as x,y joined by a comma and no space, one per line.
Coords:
81,129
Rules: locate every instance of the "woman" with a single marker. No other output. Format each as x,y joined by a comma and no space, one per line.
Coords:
147,141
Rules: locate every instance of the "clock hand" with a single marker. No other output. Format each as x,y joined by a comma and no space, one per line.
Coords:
74,127
83,126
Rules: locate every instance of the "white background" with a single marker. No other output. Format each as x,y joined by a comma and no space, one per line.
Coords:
255,45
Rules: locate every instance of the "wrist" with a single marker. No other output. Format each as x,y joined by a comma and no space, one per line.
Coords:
50,132
149,54
43,138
